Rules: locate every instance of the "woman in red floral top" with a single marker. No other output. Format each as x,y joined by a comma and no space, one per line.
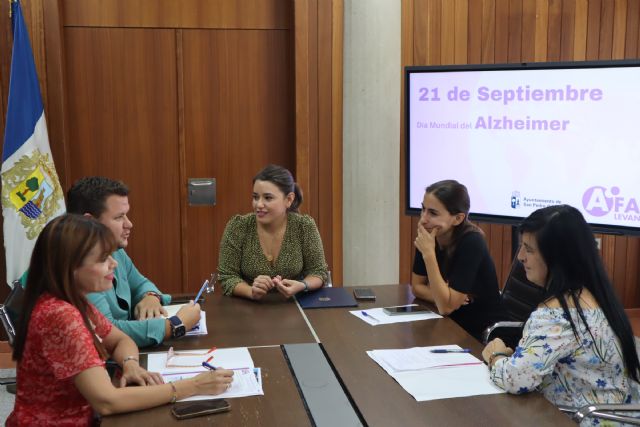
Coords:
63,341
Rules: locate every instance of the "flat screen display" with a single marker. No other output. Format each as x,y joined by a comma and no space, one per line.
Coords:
526,136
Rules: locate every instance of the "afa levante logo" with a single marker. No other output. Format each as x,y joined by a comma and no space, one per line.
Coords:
600,201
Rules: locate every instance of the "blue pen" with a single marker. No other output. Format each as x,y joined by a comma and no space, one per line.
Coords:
451,350
204,285
365,314
209,367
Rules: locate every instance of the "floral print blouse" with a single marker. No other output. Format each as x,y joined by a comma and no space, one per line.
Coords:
567,371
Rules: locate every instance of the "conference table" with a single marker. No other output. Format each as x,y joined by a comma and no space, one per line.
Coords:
264,327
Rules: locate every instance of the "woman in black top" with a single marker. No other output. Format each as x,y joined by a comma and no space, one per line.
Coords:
452,267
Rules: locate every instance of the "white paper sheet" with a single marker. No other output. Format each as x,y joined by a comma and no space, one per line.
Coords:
417,358
446,383
199,329
442,382
376,316
247,380
227,358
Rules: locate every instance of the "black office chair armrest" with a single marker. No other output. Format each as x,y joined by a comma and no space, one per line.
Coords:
603,411
5,319
504,324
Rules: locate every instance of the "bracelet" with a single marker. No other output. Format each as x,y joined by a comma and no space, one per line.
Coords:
126,359
155,295
306,286
496,354
174,396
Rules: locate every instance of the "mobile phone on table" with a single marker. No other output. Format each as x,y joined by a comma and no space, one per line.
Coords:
364,294
182,410
405,309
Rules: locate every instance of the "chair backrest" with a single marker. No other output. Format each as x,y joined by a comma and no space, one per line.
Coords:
10,310
520,297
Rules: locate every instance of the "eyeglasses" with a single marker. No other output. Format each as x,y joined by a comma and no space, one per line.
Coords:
185,359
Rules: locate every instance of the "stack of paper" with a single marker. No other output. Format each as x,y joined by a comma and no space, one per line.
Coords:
247,379
199,329
376,316
431,376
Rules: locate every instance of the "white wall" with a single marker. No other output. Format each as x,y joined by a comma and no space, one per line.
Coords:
371,157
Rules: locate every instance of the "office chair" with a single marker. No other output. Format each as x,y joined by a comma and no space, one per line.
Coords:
9,314
518,299
604,412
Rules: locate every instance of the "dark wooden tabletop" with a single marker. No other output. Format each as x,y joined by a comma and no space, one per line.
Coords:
238,322
234,322
281,404
383,402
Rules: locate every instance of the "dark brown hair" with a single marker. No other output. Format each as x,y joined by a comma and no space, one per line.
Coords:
88,194
455,198
282,178
59,250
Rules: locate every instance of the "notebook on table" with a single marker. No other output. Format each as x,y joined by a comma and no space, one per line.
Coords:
326,297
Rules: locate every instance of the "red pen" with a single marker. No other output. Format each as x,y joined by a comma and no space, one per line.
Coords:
209,359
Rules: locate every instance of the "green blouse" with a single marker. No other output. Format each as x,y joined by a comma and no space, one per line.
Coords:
241,257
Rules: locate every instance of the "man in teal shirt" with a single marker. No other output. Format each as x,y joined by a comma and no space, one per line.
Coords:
134,304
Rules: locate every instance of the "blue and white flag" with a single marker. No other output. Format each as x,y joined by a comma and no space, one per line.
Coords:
31,192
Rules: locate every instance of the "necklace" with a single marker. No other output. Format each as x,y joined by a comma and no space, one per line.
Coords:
271,243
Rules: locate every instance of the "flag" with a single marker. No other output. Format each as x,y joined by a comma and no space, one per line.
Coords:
31,192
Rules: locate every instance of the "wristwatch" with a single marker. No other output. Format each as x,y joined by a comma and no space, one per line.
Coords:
177,328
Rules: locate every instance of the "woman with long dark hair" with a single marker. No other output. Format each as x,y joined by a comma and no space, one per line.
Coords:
452,266
274,247
577,347
62,341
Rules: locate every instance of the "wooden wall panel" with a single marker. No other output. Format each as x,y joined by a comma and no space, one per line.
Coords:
474,33
132,138
529,27
488,31
227,14
236,121
593,29
317,42
567,37
462,29
554,39
631,33
501,42
408,51
581,20
337,60
78,135
500,31
542,30
515,31
606,30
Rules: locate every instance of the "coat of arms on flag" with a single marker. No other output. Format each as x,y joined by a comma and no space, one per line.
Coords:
31,187
31,192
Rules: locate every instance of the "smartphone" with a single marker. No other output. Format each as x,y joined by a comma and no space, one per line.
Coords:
182,410
405,309
364,293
